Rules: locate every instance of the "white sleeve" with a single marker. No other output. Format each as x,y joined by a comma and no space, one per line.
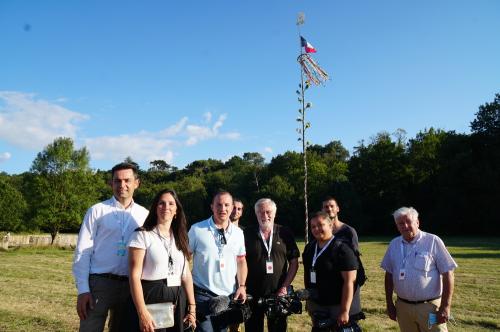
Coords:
137,240
83,253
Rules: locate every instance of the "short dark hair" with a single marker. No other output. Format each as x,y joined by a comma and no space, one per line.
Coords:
329,198
220,193
236,199
124,165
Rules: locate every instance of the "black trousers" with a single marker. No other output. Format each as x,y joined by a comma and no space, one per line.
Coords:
157,291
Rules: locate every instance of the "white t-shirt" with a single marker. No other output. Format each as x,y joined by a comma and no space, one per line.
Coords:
156,260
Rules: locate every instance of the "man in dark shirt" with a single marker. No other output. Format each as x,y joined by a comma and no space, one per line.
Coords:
272,259
340,230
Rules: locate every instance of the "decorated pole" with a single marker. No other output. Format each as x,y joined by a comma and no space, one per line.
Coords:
315,74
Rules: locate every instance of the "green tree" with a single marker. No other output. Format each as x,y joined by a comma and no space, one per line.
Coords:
487,119
12,207
379,174
63,187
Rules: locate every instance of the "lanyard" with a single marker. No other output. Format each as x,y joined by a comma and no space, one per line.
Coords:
125,220
316,255
168,249
268,248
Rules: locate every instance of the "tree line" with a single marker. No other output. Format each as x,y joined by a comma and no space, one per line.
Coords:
451,178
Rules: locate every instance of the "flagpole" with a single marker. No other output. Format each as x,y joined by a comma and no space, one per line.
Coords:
302,111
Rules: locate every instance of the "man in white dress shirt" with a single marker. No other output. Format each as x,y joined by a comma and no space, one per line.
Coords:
419,269
100,263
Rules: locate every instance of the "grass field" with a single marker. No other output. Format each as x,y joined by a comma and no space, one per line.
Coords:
37,291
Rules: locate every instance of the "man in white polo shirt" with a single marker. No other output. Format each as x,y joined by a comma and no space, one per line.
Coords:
100,265
219,263
419,269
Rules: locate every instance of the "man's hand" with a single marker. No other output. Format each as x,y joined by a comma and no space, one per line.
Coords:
241,294
391,310
343,318
282,291
84,300
443,314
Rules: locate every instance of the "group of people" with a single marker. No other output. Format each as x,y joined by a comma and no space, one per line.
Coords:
128,258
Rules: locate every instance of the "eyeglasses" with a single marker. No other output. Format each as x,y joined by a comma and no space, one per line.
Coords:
222,237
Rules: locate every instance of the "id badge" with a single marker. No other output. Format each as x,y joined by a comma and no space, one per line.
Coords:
173,281
269,267
222,264
402,274
313,277
122,249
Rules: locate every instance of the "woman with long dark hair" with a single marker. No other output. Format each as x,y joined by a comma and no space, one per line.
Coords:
158,265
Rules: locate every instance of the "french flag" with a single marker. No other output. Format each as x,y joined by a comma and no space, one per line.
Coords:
308,47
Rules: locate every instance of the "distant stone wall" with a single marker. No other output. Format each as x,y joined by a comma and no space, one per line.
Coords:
61,240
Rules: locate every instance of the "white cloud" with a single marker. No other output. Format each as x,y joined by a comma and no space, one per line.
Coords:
4,156
207,116
32,123
141,147
197,133
268,150
148,146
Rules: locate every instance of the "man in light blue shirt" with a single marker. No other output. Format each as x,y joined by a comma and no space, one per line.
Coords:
219,263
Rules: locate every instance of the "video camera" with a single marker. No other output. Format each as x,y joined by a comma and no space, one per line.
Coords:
226,311
281,306
323,322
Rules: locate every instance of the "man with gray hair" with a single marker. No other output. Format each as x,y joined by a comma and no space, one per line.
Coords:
272,258
419,269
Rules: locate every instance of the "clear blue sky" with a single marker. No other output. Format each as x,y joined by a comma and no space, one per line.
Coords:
189,80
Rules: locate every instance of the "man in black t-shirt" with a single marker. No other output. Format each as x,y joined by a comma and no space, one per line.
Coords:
272,260
329,272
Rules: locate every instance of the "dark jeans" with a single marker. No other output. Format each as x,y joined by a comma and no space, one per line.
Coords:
203,315
256,322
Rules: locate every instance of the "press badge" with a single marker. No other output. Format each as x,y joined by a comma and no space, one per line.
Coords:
402,274
173,281
222,264
122,249
269,267
313,277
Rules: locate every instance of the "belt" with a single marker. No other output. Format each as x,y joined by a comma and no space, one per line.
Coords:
418,302
110,276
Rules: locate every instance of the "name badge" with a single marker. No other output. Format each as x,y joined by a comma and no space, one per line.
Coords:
313,277
402,274
173,281
269,267
122,249
222,264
